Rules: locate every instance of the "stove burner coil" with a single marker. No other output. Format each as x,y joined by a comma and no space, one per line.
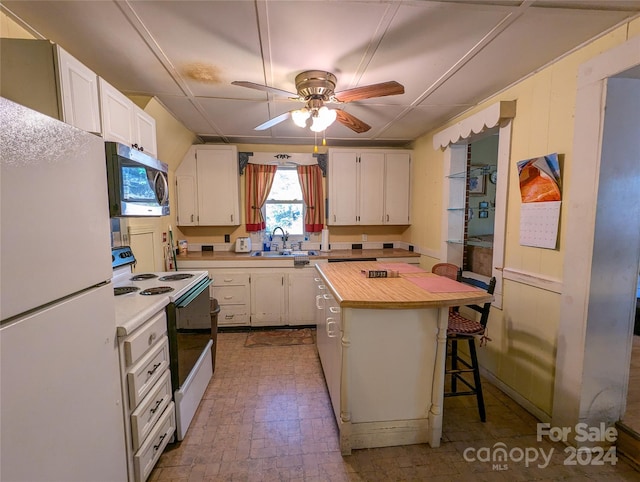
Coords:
143,276
175,277
123,290
158,290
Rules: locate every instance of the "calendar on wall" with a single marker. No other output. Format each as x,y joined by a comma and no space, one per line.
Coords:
541,199
539,224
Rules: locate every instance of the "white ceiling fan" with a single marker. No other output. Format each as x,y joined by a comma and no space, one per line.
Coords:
315,88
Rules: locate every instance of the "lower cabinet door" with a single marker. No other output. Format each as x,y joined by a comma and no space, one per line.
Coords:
145,459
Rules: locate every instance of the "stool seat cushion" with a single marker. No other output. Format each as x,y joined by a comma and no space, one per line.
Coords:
459,325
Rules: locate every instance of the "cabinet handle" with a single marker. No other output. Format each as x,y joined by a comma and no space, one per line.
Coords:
156,447
232,218
228,280
318,298
387,218
135,146
317,280
152,338
155,367
334,218
154,409
228,297
141,149
192,218
331,333
334,309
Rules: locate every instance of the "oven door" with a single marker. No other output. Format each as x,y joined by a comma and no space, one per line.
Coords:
190,342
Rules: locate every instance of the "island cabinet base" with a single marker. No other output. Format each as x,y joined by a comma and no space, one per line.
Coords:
391,377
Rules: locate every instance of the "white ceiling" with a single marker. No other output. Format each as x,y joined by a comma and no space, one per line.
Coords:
449,55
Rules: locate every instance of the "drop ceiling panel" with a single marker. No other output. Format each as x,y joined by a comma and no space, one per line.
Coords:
100,36
332,36
209,44
423,41
526,45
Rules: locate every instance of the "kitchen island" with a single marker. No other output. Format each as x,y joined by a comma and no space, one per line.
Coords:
382,344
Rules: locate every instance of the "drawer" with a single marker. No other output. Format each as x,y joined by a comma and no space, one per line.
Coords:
229,279
231,295
149,453
144,374
233,315
144,418
144,338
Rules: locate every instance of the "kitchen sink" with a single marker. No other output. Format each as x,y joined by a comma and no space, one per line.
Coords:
287,253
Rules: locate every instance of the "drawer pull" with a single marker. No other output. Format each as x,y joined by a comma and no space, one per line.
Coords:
152,338
228,280
229,317
156,447
155,409
228,297
155,367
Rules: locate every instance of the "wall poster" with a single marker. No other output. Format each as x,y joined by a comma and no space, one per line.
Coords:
541,198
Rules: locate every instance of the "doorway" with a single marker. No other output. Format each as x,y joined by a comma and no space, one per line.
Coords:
603,236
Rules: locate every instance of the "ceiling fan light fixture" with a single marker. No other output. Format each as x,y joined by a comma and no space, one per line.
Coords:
300,117
323,119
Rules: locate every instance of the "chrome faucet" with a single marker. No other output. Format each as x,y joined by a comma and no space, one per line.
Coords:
285,236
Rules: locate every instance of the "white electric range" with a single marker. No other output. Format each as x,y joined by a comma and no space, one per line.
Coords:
185,297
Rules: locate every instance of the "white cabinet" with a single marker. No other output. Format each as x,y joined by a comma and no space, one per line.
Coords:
267,299
149,413
207,186
397,188
79,86
369,187
231,289
52,82
125,122
300,296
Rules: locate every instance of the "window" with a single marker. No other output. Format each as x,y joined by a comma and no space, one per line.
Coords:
284,206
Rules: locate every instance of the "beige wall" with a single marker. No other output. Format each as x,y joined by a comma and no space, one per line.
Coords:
521,355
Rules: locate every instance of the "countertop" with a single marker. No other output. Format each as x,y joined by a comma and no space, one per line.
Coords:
333,254
352,289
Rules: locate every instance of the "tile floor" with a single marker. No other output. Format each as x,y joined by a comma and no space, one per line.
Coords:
266,416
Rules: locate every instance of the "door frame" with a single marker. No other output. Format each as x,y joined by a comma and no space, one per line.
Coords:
591,388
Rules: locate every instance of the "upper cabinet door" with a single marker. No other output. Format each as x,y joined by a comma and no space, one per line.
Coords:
343,194
79,100
117,114
218,186
371,188
397,188
144,129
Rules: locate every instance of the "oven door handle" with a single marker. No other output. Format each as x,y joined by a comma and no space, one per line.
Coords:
193,294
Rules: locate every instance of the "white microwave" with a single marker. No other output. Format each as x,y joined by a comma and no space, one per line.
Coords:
138,183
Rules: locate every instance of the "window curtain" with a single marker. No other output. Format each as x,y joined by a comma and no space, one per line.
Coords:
258,181
311,183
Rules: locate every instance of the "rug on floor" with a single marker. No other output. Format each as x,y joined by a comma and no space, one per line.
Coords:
302,336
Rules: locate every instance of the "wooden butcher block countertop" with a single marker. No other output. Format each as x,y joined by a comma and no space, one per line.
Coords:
352,289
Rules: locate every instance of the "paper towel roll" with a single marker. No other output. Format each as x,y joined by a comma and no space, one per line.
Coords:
324,242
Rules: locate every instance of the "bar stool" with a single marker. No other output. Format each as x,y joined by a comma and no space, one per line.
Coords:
461,328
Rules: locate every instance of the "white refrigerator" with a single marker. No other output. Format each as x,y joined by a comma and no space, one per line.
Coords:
61,415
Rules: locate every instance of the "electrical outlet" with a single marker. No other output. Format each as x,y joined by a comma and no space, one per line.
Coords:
364,237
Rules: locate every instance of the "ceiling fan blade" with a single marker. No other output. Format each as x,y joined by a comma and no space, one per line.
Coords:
272,122
351,122
264,88
368,91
